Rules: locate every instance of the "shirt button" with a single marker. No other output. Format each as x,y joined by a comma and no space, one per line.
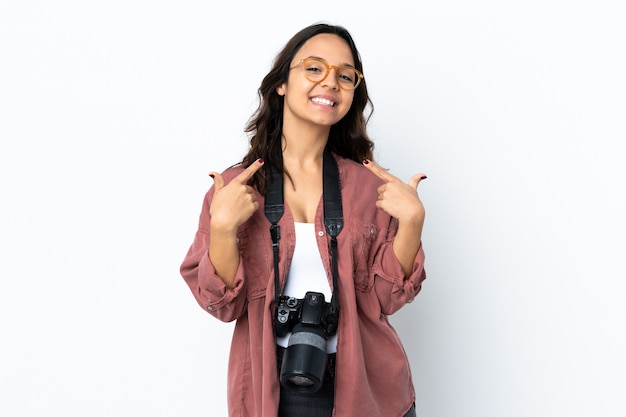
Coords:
237,240
372,231
320,233
209,308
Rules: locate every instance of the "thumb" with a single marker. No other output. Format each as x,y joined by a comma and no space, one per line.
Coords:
218,181
416,179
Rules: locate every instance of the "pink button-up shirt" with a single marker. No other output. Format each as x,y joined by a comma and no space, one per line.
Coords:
373,378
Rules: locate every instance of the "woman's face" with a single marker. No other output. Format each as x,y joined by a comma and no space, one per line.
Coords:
321,103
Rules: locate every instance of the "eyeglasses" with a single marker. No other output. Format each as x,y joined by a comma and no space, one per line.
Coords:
316,70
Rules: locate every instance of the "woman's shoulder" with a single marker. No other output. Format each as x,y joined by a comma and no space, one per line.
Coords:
354,173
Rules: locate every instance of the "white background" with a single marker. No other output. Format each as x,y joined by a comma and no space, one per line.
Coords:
113,113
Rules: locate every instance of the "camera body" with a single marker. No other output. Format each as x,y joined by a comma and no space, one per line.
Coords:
310,320
312,310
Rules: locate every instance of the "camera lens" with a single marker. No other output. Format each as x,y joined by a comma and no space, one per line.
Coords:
304,360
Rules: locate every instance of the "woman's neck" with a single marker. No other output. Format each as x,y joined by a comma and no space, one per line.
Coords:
302,150
304,140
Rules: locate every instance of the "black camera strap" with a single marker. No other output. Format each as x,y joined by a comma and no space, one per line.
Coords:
333,216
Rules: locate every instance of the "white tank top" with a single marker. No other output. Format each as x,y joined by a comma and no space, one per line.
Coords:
307,273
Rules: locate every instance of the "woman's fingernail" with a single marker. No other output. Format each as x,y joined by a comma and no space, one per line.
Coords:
261,160
211,175
423,177
366,161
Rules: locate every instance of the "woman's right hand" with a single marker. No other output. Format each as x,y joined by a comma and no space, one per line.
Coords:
235,203
231,206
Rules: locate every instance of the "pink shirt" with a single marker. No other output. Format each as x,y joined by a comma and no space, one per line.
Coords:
373,377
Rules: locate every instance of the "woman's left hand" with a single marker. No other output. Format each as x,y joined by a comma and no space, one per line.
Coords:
397,198
400,200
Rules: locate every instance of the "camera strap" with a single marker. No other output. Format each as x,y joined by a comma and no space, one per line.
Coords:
333,215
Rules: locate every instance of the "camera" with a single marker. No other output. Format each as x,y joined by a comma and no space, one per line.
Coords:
310,320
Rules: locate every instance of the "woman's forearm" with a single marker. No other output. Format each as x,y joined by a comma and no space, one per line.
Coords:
407,243
224,255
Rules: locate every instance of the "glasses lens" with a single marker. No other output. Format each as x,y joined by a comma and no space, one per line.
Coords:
347,77
314,69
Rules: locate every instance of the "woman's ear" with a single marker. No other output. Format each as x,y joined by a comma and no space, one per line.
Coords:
281,89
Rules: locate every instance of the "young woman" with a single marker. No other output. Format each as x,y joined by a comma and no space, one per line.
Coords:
311,117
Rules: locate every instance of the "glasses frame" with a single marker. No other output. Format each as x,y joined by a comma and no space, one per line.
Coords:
359,74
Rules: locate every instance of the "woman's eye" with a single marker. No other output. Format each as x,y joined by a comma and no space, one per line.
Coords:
347,78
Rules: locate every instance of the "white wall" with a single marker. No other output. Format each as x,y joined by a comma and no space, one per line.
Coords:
112,114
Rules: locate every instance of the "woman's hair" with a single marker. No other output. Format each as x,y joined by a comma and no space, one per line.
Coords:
348,137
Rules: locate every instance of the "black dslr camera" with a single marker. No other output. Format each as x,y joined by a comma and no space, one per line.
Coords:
310,320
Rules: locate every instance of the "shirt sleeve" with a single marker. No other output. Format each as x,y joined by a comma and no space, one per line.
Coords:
392,287
206,286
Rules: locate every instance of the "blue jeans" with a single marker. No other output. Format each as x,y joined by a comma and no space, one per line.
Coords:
318,404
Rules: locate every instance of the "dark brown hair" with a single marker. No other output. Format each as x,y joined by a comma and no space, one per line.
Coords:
348,137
